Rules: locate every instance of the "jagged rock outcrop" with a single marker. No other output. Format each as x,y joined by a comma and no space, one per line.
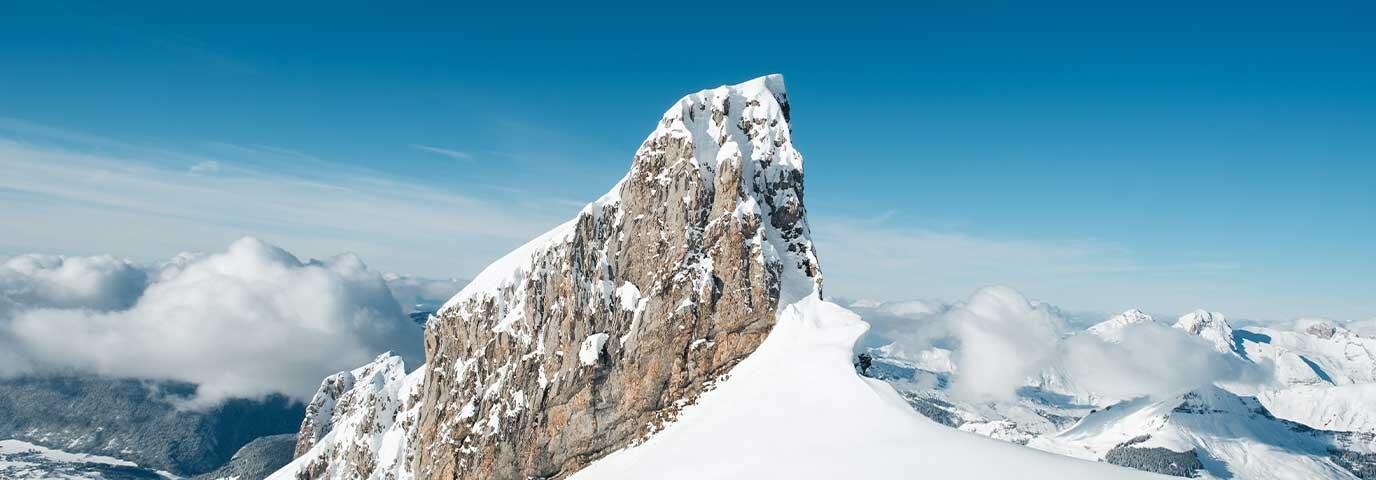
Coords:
593,335
359,425
339,390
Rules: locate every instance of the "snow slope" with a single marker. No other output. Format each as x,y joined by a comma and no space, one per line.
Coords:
1233,437
797,409
1343,408
1322,353
20,460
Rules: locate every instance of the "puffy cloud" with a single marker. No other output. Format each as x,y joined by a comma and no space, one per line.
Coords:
1004,339
1152,359
53,281
907,326
242,323
1001,341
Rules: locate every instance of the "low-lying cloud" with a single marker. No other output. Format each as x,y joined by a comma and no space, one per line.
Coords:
1151,360
1004,339
417,294
246,322
1363,327
999,341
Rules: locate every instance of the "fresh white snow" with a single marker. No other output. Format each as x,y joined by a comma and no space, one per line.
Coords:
1111,330
10,447
513,266
1211,326
797,409
591,349
1342,408
20,460
1233,438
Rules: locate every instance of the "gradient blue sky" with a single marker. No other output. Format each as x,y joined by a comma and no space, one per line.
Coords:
1100,158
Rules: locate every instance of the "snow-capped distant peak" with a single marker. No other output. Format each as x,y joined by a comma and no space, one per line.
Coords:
1208,432
1210,326
1321,328
1112,329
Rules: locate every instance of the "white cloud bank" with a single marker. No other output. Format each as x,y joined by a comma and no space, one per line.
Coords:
242,323
999,341
1363,327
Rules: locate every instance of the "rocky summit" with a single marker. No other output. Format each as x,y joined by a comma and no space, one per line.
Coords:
595,334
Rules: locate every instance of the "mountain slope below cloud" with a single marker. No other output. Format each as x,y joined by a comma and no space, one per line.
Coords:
1227,436
137,420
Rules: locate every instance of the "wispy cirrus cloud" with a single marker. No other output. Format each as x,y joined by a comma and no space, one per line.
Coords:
444,151
66,192
206,167
148,201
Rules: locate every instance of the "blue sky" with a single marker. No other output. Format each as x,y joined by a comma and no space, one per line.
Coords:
1100,158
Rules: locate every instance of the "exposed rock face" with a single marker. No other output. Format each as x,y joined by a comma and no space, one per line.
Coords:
596,333
320,412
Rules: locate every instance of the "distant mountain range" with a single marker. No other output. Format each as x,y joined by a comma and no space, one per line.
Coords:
1311,419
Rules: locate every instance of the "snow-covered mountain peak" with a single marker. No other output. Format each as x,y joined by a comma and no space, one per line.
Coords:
1134,316
1322,328
736,138
1212,433
735,118
598,331
1112,329
1210,326
1199,320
